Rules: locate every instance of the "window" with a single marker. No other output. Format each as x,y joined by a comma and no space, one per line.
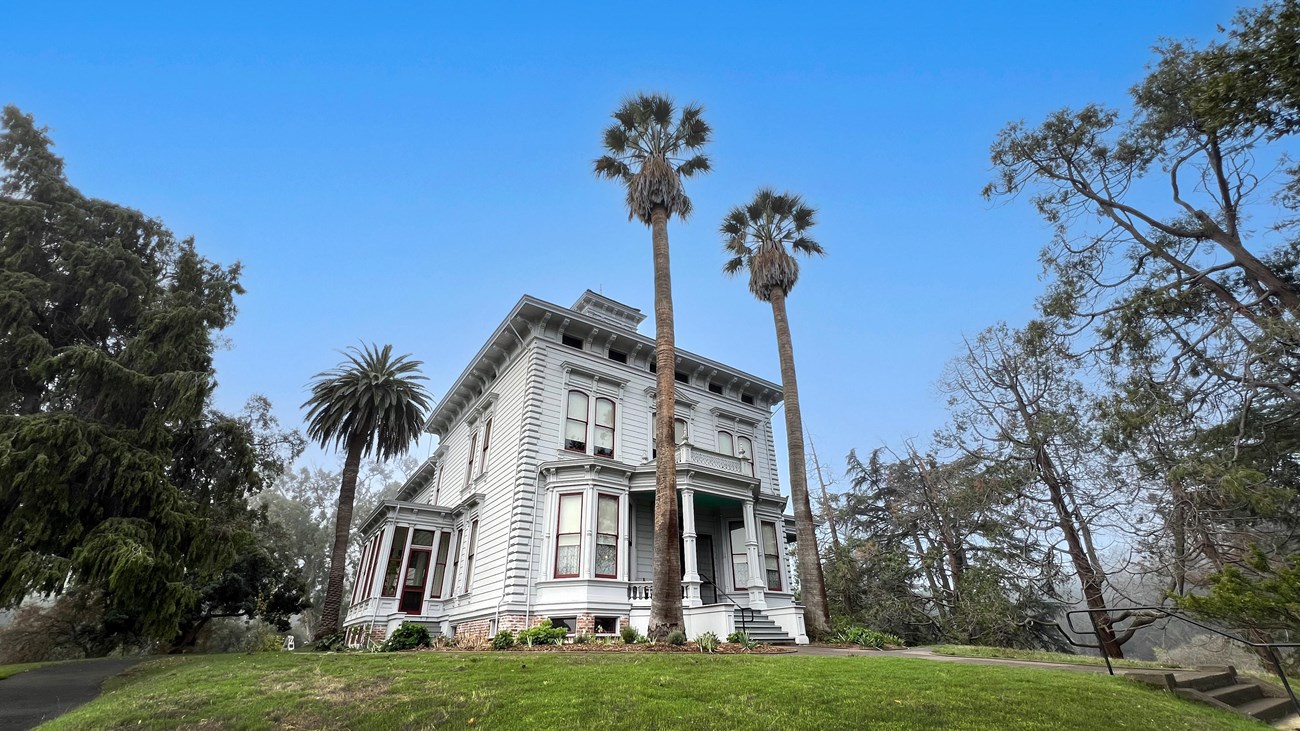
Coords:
394,567
682,377
771,557
654,367
369,589
571,341
455,559
746,398
715,387
469,466
417,572
361,572
575,425
726,445
437,487
487,437
604,434
680,431
568,623
739,557
606,625
568,536
440,566
469,559
607,536
745,450
617,356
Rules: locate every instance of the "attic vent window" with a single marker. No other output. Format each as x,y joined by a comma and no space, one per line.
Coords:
746,398
654,367
617,356
715,387
681,377
571,341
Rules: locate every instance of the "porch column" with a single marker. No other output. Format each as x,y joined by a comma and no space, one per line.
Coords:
756,586
691,575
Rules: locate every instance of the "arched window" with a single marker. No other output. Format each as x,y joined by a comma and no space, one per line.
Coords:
726,445
680,431
575,423
745,450
604,432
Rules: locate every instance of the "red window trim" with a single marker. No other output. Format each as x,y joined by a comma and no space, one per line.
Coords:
444,541
558,514
600,496
423,585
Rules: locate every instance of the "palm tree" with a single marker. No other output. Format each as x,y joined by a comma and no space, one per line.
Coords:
651,148
763,238
371,403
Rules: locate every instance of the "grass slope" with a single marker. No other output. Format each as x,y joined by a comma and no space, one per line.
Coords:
545,691
1041,656
22,667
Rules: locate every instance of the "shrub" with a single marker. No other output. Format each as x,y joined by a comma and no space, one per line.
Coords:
866,638
708,642
407,637
582,638
337,642
676,637
543,634
742,639
629,634
504,640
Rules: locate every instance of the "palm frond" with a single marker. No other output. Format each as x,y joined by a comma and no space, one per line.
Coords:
371,399
763,237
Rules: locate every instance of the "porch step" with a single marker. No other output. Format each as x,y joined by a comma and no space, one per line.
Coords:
761,628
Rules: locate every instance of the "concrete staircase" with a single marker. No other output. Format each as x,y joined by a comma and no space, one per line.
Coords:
762,629
1223,688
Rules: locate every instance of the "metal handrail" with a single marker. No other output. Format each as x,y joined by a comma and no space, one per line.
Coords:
1166,613
744,627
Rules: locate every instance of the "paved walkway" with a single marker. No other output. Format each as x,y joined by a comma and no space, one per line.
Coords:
36,696
925,653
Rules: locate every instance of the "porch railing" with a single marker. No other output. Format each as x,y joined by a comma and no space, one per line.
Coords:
643,591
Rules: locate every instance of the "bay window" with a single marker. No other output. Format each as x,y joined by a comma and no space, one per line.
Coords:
607,537
771,556
568,536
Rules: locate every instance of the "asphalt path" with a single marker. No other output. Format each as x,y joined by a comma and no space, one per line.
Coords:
36,696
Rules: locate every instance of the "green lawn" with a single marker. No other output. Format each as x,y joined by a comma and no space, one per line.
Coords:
1040,656
22,667
543,691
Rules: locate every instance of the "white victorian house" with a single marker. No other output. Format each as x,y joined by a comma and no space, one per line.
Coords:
538,501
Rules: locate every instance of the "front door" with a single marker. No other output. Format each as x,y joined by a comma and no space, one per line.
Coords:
417,571
704,562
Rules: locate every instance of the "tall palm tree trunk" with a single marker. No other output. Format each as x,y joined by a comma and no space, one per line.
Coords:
329,620
817,617
666,600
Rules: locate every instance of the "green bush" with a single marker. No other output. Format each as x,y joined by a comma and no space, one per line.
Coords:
407,637
504,640
742,639
629,634
265,640
676,637
708,642
866,638
543,634
337,642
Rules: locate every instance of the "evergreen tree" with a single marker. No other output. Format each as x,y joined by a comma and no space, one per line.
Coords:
115,472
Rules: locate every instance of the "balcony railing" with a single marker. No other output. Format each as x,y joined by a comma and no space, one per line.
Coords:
692,455
641,592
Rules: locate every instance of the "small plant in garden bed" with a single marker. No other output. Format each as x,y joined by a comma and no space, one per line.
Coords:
707,642
629,634
407,637
543,634
742,639
504,640
865,637
677,638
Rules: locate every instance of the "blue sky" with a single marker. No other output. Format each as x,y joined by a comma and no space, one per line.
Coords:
403,172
